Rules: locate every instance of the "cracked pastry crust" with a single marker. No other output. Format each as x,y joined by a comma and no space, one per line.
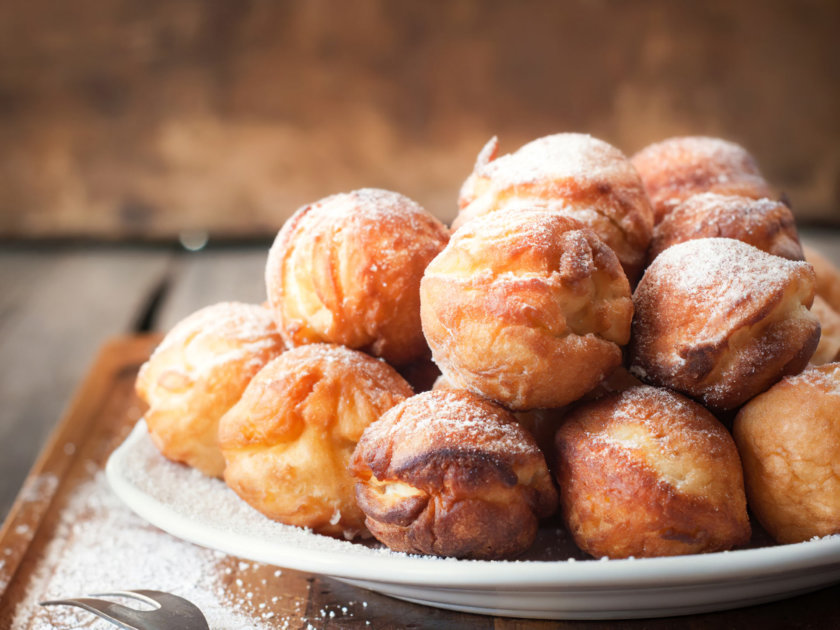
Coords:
648,472
762,223
448,473
526,307
677,168
576,174
347,270
540,423
289,439
789,440
722,321
198,372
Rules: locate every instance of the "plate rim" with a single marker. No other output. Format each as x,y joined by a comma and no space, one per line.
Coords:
512,575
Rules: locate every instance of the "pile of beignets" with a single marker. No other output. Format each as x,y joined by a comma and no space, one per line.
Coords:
637,345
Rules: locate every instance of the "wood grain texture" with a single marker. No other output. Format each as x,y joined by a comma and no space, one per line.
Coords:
199,279
56,310
102,414
124,119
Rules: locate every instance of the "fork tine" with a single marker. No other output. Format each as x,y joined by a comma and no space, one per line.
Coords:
140,595
170,611
178,608
119,615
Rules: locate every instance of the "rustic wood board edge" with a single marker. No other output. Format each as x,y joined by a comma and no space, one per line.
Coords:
46,475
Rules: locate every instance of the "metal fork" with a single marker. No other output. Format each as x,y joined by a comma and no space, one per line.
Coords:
170,611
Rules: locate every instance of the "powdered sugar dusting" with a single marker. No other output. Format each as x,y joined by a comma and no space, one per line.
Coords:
371,209
763,223
221,333
235,320
565,154
375,373
666,415
714,276
453,419
211,505
100,545
824,377
677,168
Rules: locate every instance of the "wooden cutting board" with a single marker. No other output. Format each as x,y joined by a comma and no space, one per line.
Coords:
67,534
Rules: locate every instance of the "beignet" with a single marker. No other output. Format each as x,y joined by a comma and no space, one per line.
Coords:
526,307
573,173
347,270
677,168
448,473
198,372
647,472
789,440
289,439
762,223
722,321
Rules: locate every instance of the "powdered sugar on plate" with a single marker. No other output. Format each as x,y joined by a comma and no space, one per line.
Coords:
556,587
99,545
209,501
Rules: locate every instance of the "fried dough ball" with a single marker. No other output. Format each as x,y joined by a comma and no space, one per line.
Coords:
526,307
828,349
677,168
289,439
828,277
647,472
722,321
347,270
573,173
448,473
762,223
198,372
789,440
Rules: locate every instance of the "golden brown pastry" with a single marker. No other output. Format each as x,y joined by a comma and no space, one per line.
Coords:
648,472
762,223
289,439
677,168
828,277
722,321
828,349
540,423
347,270
526,307
789,440
198,372
572,173
450,474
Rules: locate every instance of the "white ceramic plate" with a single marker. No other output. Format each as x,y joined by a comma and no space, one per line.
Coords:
204,511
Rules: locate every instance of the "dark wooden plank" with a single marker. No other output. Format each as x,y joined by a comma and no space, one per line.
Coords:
48,478
63,306
20,272
146,119
215,275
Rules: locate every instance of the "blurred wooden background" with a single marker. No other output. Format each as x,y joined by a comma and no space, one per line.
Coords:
143,119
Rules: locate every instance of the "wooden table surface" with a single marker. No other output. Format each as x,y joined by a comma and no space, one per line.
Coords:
59,306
